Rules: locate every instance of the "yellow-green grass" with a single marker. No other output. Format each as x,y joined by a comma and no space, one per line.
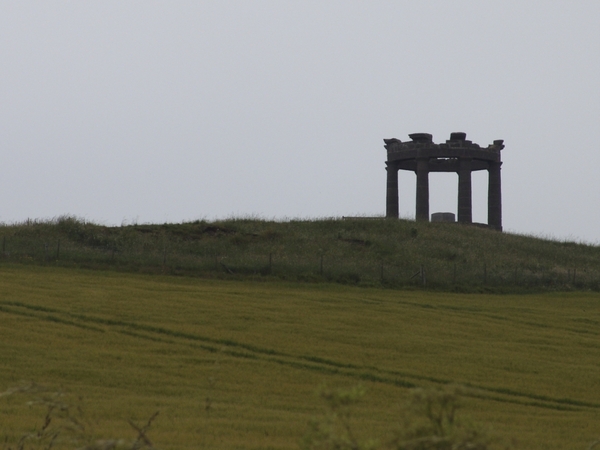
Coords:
235,364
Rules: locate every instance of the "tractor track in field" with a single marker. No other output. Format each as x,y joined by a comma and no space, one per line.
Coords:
468,311
304,362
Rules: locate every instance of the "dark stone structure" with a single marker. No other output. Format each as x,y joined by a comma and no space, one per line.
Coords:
422,156
443,217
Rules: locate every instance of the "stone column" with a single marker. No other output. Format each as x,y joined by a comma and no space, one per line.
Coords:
422,210
494,196
465,202
391,200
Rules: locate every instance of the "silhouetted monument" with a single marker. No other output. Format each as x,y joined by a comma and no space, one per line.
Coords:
422,156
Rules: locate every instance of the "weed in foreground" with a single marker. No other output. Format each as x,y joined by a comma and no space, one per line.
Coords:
65,425
337,430
430,422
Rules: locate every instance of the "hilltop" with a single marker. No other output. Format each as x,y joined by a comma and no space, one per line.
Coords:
369,252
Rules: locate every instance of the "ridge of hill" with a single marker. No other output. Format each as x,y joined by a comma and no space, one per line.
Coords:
361,251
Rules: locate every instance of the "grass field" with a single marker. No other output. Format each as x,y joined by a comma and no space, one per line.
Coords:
236,364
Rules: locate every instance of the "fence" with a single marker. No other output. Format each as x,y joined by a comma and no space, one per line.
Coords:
175,257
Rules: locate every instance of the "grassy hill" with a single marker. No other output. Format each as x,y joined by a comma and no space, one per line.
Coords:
390,253
236,364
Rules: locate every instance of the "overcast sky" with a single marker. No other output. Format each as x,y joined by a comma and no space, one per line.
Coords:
168,111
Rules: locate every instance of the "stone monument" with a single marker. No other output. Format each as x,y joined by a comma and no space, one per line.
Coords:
422,156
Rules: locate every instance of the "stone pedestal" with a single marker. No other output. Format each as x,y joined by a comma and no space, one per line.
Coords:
443,217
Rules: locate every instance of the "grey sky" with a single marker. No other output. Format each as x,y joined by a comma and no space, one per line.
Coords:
155,111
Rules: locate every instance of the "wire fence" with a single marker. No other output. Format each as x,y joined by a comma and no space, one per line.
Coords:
174,257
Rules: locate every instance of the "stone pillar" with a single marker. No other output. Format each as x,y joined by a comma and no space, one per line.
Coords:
494,196
391,200
422,210
465,202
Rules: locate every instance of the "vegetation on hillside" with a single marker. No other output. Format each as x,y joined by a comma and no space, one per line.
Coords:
375,252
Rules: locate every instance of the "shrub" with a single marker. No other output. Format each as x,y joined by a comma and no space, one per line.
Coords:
431,422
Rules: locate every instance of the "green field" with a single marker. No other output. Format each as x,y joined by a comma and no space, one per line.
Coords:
237,364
